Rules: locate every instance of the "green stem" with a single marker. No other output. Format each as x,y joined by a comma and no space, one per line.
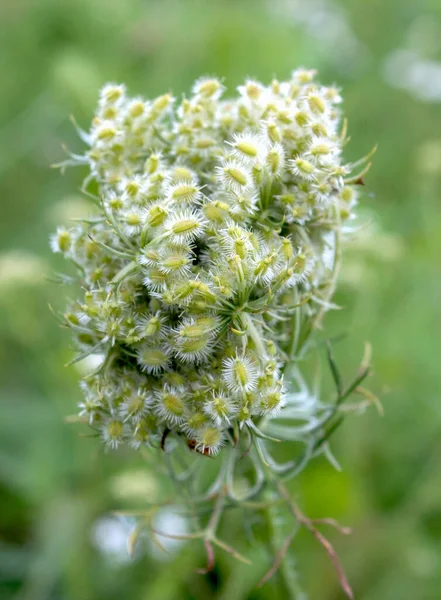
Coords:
126,271
215,516
277,538
256,337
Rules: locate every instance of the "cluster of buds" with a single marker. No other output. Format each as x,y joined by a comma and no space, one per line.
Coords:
211,257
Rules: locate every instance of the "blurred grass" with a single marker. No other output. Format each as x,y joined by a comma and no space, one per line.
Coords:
54,56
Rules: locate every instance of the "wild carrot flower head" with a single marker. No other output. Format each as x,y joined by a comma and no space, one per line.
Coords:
211,257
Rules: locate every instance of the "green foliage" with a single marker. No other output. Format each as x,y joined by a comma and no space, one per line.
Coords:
55,486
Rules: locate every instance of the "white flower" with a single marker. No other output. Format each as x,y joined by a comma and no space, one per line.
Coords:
61,241
151,326
322,151
208,88
251,90
184,226
235,176
155,280
240,373
267,267
170,405
272,401
322,191
114,432
248,147
275,160
197,326
220,408
210,440
183,192
153,359
134,406
112,93
235,240
155,214
193,349
303,168
303,76
175,261
132,220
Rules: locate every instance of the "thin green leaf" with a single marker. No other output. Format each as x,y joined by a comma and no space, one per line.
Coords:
334,370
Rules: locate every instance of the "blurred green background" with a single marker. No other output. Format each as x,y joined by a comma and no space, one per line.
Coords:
58,539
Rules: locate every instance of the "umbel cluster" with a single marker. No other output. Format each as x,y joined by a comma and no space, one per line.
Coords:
216,225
